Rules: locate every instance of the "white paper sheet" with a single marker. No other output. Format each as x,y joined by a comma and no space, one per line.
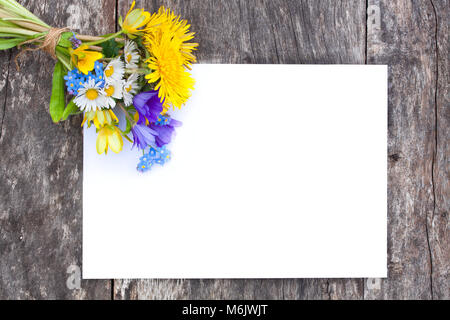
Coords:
279,171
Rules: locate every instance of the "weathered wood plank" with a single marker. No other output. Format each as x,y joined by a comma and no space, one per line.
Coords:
406,41
41,221
262,32
41,171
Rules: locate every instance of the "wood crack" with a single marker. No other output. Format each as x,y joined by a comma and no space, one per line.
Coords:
116,16
249,36
6,95
295,36
362,294
112,289
275,43
327,290
433,162
366,35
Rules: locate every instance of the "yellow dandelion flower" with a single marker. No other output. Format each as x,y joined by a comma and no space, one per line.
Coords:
156,19
175,82
109,136
85,59
166,22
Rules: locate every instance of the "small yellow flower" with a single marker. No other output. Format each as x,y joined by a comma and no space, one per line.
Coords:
84,59
134,20
109,136
100,118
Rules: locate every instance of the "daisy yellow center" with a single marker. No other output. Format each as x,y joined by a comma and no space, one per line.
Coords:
91,94
109,91
109,71
129,57
128,88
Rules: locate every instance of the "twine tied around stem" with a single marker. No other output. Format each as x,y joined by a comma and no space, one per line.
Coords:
48,45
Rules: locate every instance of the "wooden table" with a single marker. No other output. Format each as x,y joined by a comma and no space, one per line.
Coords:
41,166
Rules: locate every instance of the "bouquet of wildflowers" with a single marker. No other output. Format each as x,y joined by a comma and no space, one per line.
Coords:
142,70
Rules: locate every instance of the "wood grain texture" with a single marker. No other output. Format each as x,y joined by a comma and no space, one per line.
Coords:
41,171
417,245
262,32
41,166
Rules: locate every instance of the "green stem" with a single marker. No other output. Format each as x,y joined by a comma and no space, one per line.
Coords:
13,6
114,35
125,136
140,71
62,50
17,31
20,19
38,35
8,36
126,113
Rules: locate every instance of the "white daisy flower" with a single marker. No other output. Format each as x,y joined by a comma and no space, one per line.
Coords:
111,103
91,96
114,70
130,55
113,89
130,88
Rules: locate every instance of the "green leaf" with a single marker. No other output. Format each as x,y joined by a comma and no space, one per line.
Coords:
64,40
110,48
128,127
57,99
70,109
10,43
